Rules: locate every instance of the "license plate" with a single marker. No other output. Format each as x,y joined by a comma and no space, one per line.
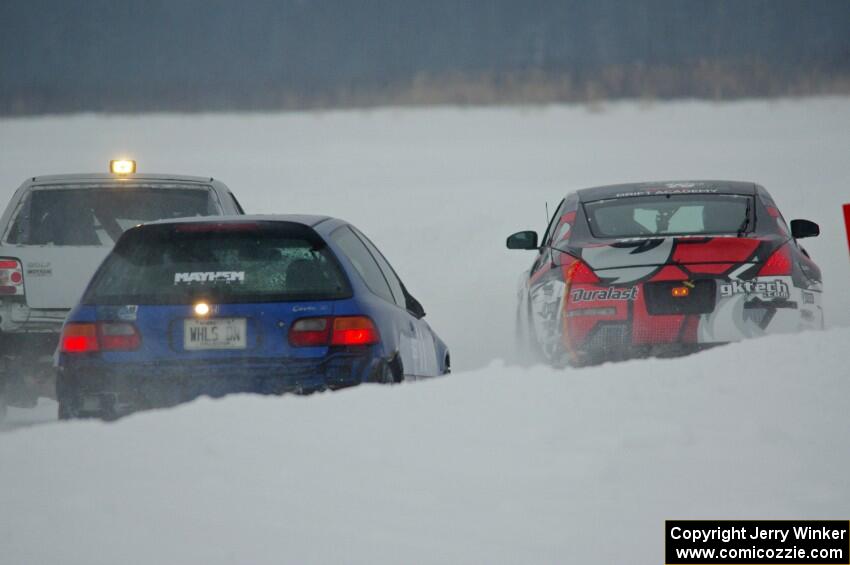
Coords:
219,333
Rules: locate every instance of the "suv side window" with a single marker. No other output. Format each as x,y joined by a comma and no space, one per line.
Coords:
389,273
363,261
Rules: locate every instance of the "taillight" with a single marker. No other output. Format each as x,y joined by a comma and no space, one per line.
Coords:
118,336
581,273
79,338
343,330
11,277
83,337
310,332
778,264
354,330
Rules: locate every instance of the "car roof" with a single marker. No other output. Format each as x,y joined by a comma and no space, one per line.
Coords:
83,178
666,187
309,220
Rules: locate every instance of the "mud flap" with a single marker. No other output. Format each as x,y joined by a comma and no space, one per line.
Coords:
388,371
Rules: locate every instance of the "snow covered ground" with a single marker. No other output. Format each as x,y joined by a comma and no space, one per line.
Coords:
496,463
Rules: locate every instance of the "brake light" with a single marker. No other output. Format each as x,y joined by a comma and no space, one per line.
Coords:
310,332
103,336
778,264
343,330
118,336
214,227
79,338
354,330
581,273
11,277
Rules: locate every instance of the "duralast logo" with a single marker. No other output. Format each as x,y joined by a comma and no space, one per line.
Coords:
610,293
210,276
769,289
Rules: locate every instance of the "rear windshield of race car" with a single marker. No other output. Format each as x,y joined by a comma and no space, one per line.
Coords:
97,216
667,215
225,263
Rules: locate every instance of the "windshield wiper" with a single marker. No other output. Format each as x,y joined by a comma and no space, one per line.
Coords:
746,223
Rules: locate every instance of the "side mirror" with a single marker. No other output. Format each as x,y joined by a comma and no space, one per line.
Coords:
804,228
415,308
523,240
412,305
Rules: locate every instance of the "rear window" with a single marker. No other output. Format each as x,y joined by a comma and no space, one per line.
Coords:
230,263
98,216
670,215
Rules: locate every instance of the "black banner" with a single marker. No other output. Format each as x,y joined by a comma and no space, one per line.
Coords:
757,542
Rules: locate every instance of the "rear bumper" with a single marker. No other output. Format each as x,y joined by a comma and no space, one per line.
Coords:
90,387
17,317
616,341
29,337
636,323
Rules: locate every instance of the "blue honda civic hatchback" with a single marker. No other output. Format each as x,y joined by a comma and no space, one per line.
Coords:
264,304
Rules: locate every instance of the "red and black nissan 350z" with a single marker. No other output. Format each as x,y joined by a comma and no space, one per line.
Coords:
664,268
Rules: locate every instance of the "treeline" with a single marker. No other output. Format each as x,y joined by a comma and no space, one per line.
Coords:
202,55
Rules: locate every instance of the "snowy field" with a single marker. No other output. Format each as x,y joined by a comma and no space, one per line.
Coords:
496,463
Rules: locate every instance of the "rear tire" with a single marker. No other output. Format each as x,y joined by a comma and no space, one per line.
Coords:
528,346
521,338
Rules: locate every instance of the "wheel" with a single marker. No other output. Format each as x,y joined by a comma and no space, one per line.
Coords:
523,337
528,345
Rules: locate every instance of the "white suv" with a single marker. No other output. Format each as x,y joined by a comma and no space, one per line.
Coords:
54,234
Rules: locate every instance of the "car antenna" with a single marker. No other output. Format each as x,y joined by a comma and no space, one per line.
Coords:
547,212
